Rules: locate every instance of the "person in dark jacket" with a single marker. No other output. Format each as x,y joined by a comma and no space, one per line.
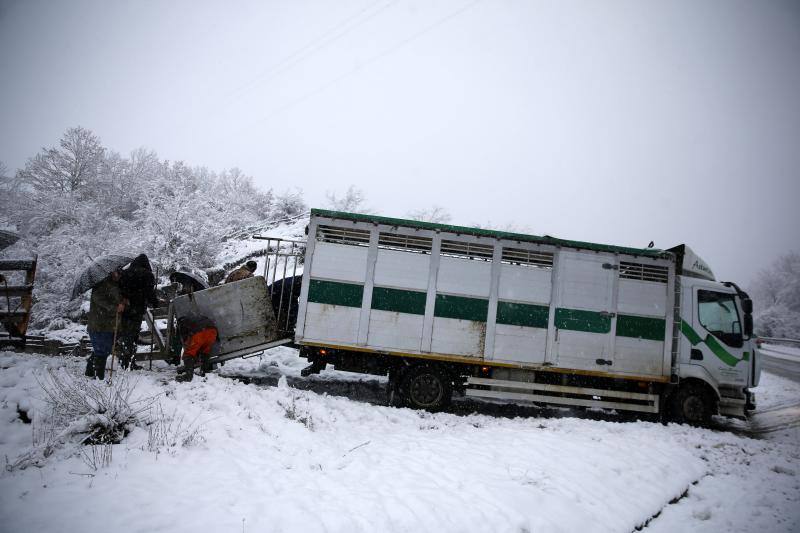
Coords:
105,304
242,272
198,334
137,285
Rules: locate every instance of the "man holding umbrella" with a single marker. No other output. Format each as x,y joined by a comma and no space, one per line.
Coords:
102,275
104,308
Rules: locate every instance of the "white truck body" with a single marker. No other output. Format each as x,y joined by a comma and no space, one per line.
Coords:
524,306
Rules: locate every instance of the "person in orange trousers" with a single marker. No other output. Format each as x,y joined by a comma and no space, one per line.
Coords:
198,334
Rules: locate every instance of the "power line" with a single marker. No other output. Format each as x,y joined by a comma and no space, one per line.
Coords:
309,49
375,58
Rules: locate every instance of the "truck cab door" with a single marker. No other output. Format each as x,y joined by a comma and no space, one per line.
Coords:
716,336
585,316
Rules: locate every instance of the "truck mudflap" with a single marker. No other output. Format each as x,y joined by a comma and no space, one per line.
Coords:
241,311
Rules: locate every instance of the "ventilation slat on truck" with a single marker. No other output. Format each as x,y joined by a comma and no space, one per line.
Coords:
467,250
337,235
405,243
642,272
531,258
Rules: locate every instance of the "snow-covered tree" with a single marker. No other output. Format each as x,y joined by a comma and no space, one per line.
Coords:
75,163
776,297
353,201
78,200
289,204
435,213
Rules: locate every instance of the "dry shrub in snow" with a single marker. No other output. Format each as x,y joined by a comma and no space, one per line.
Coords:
102,412
81,411
292,409
170,432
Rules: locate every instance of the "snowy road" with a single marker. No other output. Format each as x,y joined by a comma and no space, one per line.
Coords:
285,454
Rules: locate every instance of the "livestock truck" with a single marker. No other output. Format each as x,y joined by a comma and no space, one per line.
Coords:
514,317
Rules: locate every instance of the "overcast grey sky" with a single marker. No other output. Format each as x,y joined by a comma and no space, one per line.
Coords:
609,121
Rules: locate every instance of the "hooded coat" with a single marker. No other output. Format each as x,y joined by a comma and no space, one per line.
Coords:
137,284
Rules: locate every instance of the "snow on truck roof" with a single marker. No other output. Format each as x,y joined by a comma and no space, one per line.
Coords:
464,230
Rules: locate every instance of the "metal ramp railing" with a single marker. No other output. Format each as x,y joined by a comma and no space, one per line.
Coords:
283,273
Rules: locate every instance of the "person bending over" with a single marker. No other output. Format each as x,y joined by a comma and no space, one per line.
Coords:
198,334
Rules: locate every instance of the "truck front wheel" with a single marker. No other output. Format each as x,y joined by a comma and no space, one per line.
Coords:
691,404
426,387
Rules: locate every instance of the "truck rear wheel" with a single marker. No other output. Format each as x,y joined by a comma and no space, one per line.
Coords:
426,387
691,404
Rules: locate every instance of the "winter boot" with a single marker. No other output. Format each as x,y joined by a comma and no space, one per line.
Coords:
188,370
205,366
89,372
99,367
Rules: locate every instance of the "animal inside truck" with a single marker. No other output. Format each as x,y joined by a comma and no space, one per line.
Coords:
514,317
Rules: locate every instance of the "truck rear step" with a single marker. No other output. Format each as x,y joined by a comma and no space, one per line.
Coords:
562,395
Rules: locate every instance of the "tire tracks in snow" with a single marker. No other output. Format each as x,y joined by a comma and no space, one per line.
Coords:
673,501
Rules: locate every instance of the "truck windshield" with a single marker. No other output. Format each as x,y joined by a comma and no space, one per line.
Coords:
718,314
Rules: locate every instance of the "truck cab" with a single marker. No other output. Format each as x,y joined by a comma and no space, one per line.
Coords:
716,357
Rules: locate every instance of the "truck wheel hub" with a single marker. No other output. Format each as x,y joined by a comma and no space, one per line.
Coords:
693,408
426,389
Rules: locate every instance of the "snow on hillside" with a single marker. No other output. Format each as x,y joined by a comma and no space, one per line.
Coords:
277,458
238,251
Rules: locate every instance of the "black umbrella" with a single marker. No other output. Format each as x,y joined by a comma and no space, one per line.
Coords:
7,238
192,279
98,270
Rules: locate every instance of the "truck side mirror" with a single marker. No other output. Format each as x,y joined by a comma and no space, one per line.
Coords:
747,305
748,325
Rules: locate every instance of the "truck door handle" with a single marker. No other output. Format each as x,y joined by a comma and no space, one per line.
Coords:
607,313
696,355
604,361
609,266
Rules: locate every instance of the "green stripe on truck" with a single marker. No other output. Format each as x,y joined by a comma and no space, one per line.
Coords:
641,327
580,320
528,315
713,345
335,293
398,300
461,307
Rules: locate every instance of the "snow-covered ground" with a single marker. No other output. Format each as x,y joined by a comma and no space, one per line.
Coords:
283,453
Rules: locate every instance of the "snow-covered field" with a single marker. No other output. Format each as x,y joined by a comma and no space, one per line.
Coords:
287,454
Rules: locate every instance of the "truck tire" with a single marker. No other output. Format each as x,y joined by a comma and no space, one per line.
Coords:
692,405
426,387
